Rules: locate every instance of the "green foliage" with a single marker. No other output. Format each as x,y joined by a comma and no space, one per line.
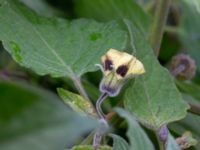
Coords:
119,143
189,27
137,136
171,144
31,118
88,147
153,97
36,119
76,102
151,107
189,88
113,9
55,46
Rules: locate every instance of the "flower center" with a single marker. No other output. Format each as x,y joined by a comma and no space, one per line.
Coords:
122,70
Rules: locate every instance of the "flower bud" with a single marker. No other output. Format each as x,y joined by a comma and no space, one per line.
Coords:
118,67
186,140
163,133
182,67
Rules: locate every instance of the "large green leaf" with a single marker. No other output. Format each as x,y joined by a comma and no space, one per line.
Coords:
137,137
106,10
153,97
56,46
34,119
189,27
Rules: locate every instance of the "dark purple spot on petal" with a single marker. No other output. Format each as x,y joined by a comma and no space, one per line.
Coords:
122,70
108,64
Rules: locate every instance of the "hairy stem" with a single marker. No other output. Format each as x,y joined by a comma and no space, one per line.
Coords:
79,87
194,108
161,12
103,123
98,105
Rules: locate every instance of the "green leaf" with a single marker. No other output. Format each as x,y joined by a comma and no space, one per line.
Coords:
171,144
89,147
34,119
56,46
113,9
119,143
189,28
137,137
153,97
76,102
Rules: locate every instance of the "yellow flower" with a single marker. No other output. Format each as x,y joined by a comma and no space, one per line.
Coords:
117,67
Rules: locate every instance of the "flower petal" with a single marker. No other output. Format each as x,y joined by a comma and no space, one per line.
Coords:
135,68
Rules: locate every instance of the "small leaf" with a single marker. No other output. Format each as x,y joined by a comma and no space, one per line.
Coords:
119,143
56,46
137,137
153,97
76,102
89,147
34,119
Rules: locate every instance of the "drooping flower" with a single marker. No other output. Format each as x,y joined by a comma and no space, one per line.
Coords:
118,67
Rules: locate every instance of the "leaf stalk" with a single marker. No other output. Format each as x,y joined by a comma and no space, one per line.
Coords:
79,87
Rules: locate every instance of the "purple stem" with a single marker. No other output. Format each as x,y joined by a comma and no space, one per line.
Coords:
98,105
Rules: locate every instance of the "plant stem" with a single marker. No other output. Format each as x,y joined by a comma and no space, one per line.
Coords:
103,123
194,108
79,87
161,12
161,144
98,105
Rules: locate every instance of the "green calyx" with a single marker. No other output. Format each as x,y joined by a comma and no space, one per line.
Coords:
111,85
